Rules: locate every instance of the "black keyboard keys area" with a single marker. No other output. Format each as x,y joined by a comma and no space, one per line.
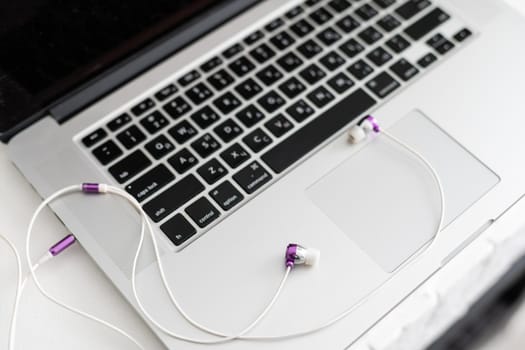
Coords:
202,212
166,92
154,122
228,130
178,229
383,85
241,66
177,107
440,44
220,79
159,147
269,75
351,48
339,5
262,53
388,23
248,89
182,132
340,83
257,140
173,198
107,152
427,60
332,61
119,122
278,125
320,16
250,116
183,161
227,103
329,36
360,69
300,111
398,44
379,56
205,145
289,62
309,49
235,155
312,74
370,35
348,24
427,24
131,137
199,93
143,107
366,12
226,195
292,87
94,137
205,117
149,183
252,177
130,166
271,102
404,69
301,28
282,40
212,171
411,8
320,97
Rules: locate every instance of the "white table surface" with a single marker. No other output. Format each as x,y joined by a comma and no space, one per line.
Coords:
74,278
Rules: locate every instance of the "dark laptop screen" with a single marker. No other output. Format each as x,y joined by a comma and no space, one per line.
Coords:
48,47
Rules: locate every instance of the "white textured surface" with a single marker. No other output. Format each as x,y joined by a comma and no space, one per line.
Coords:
75,278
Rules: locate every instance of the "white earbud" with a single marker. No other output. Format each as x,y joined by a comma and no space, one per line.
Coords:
360,131
298,255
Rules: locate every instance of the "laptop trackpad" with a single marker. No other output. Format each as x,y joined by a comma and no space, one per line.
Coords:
386,200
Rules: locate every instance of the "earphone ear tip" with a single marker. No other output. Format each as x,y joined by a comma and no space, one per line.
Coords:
312,257
356,134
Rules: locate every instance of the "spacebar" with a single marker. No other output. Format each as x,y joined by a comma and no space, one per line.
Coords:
316,132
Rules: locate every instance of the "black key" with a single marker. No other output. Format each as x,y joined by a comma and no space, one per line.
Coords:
320,16
294,12
340,83
411,8
182,161
398,44
306,139
173,198
233,50
226,196
205,145
404,69
250,116
383,84
94,137
440,44
131,137
301,28
300,110
228,130
384,3
205,117
427,60
254,37
462,35
178,229
271,101
189,78
227,103
348,24
312,2
427,24
262,53
370,35
241,66
379,56
143,107
248,89
177,107
282,40
199,93
202,212
312,74
119,122
212,171
360,69
309,48
351,48
154,122
220,79
320,97
130,166
339,5
366,12
150,182
388,23
235,155
107,152
252,177
292,87
289,62
269,75
278,125
332,61
257,140
159,147
329,36
211,64
166,92
182,132
273,25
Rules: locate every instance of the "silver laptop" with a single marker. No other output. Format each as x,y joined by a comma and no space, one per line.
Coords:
227,120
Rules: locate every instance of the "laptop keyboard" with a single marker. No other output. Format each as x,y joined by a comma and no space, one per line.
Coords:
198,148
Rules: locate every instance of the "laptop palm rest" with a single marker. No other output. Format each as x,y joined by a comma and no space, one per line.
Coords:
387,201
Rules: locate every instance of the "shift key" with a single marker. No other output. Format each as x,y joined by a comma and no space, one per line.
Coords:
173,198
252,177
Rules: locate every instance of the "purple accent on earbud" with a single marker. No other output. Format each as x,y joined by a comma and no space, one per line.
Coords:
374,123
65,243
90,188
291,252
